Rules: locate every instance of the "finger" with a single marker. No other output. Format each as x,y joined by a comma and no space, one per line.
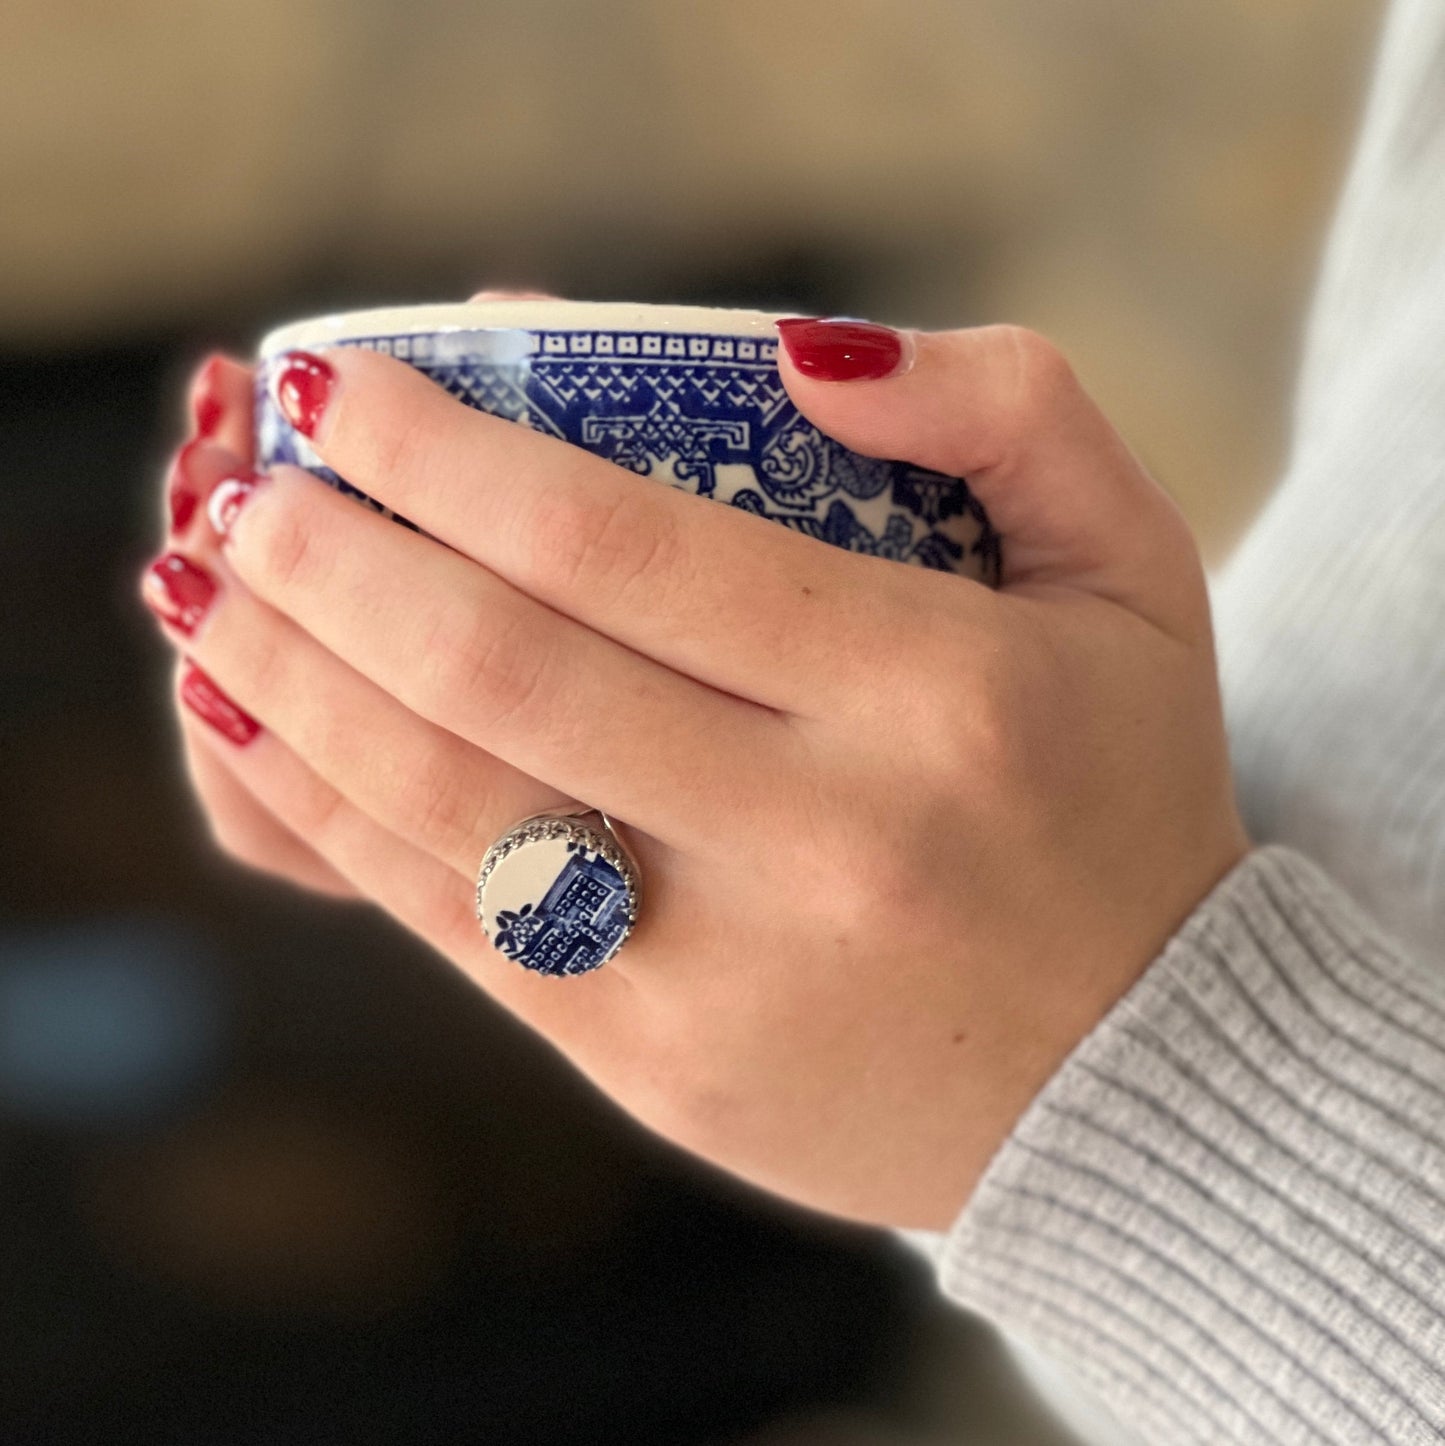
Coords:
419,781
196,469
470,653
493,295
727,597
1002,407
246,830
417,890
220,402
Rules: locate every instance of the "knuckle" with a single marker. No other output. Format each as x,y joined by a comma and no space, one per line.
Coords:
315,812
873,883
843,865
266,669
967,722
394,450
677,1070
283,547
239,841
557,531
936,712
249,840
488,670
684,1102
988,750
1039,373
613,547
971,756
452,922
976,739
431,803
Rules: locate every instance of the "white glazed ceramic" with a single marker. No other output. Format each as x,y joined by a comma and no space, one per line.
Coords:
687,395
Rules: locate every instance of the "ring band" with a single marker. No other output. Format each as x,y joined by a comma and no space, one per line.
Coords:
558,892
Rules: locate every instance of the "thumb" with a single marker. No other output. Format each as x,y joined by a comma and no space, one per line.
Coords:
1001,406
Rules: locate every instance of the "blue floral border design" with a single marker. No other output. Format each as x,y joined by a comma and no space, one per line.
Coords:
706,413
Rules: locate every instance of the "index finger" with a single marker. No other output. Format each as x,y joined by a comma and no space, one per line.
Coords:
723,595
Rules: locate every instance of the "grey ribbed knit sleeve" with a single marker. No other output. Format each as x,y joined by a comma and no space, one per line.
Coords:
1227,1211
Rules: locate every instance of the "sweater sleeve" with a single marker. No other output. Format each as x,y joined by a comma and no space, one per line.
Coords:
1226,1212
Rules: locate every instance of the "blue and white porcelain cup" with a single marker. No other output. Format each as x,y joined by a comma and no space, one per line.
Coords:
688,395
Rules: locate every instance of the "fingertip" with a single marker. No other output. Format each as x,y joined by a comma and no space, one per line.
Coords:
843,349
227,499
194,472
502,294
220,401
303,385
206,406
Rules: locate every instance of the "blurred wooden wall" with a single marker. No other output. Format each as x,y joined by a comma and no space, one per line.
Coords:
1146,183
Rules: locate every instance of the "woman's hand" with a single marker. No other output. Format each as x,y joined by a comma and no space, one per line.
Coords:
903,840
222,444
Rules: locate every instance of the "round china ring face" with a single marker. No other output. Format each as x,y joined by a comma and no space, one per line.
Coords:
557,895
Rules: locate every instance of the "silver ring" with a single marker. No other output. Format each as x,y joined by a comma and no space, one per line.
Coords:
558,892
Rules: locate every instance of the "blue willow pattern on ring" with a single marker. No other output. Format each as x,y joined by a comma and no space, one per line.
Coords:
576,924
705,413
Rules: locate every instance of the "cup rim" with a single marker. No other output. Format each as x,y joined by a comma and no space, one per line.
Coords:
559,315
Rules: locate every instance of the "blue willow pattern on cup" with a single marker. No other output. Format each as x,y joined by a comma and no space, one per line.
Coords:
706,413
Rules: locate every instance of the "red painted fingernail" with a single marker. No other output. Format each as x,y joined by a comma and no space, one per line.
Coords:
229,498
182,495
303,387
843,351
178,591
208,703
206,406
183,508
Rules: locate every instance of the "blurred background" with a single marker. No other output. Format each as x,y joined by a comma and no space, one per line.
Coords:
269,1171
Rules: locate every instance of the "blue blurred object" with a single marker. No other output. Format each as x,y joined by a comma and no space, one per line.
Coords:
109,1024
